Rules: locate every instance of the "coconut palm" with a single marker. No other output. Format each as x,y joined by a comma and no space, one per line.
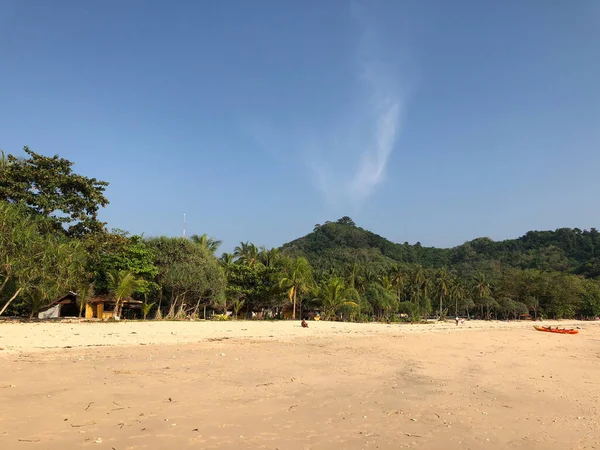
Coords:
398,279
122,285
297,279
334,296
210,243
457,292
481,290
84,294
246,252
353,274
442,286
268,257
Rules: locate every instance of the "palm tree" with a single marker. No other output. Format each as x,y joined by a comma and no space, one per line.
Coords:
122,285
353,274
481,289
297,278
246,253
334,295
210,243
387,284
85,293
268,257
457,292
418,288
398,279
442,286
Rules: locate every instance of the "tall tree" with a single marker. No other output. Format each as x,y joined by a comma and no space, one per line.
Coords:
442,286
187,272
48,186
297,279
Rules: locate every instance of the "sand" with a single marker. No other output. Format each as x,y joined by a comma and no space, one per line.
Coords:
275,385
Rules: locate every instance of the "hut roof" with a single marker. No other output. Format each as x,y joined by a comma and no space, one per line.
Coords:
66,299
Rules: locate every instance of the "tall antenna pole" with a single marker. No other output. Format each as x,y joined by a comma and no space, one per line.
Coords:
184,225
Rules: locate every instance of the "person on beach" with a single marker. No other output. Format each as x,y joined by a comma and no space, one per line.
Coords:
304,324
457,320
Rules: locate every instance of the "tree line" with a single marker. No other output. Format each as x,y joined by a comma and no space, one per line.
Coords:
52,242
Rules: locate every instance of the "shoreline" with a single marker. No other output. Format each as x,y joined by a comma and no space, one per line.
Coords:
47,336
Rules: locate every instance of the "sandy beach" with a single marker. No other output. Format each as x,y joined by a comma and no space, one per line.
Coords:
274,385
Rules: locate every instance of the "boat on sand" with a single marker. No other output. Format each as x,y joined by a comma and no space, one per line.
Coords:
556,330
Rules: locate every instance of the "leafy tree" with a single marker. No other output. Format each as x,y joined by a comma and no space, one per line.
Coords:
119,251
48,186
381,300
346,221
590,301
187,272
35,267
257,285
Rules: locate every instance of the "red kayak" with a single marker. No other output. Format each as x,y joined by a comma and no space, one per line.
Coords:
556,330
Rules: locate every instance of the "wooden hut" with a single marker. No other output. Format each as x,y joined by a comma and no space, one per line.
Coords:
65,306
103,307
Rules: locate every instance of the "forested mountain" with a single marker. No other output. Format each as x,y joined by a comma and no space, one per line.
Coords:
52,244
339,244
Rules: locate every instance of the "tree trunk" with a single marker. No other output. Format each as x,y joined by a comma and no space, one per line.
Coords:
204,312
294,310
9,302
441,299
5,281
116,310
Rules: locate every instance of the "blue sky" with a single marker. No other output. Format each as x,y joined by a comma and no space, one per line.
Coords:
431,121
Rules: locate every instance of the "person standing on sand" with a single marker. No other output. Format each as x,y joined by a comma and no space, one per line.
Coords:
457,319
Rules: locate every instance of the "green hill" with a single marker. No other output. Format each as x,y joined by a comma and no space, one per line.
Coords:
339,244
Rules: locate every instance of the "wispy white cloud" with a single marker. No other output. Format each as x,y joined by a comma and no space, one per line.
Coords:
367,154
371,170
348,157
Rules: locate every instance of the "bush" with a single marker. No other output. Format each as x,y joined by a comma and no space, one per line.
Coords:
220,317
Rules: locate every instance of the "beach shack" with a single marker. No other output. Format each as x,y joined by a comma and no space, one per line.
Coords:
65,306
101,307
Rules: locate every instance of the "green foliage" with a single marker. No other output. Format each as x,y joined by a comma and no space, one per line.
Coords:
256,284
48,187
122,286
237,307
51,242
297,278
336,299
411,310
33,264
220,317
146,308
188,273
118,251
210,243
